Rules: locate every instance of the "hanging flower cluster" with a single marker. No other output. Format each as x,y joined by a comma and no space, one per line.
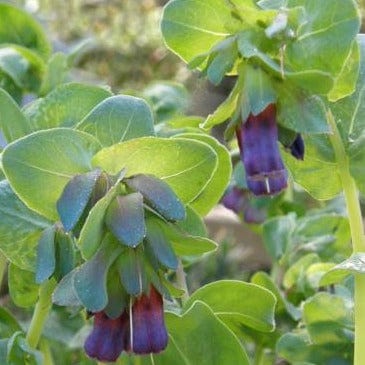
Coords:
133,222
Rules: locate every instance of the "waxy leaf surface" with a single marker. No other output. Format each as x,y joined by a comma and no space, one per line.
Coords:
186,165
39,165
117,119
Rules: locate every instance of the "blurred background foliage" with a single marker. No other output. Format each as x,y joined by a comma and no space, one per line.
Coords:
121,40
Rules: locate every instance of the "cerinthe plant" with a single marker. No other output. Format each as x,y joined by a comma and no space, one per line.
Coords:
102,196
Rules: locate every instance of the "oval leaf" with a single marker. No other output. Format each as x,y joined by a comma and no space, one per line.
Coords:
75,197
125,219
39,166
117,119
186,165
66,105
238,302
160,245
191,27
158,195
90,280
199,322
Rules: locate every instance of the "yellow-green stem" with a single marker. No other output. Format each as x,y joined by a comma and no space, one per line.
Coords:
40,313
357,235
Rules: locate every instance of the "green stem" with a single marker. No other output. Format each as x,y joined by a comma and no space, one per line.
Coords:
3,265
357,235
46,350
40,313
181,282
259,352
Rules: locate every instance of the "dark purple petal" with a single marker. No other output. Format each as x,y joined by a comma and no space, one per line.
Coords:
235,200
257,140
297,147
149,331
108,338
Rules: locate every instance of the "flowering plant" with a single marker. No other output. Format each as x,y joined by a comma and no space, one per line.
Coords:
102,196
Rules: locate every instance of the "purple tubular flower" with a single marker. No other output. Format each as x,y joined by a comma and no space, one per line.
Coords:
108,337
143,331
149,331
297,147
235,200
257,140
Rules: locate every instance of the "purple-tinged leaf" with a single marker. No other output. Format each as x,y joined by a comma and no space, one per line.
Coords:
158,194
75,197
125,219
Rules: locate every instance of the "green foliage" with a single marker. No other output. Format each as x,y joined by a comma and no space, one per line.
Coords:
51,158
94,204
200,322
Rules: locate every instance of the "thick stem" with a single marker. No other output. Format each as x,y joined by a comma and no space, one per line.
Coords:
181,282
40,313
357,235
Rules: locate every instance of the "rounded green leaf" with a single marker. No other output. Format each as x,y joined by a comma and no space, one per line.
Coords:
19,245
214,190
237,302
325,37
18,27
40,165
125,219
117,119
191,27
217,343
66,105
186,165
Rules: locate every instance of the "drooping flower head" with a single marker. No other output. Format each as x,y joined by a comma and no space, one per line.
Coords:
258,143
139,329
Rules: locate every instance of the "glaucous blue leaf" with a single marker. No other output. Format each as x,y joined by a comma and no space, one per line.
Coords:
158,194
159,244
74,198
46,255
90,280
125,219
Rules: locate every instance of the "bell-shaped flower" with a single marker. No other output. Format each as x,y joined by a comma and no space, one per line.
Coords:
139,329
258,142
147,321
108,338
